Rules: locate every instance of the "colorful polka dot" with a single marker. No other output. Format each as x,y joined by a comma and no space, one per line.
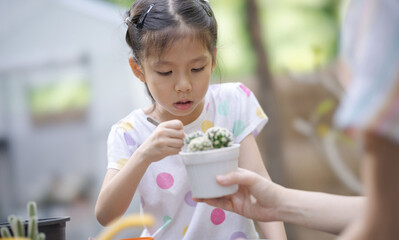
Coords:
206,124
166,221
255,133
238,236
121,163
217,216
246,90
260,113
207,107
223,108
165,180
238,128
189,199
129,140
185,230
125,126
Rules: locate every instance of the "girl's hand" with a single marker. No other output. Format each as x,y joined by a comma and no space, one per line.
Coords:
257,198
167,139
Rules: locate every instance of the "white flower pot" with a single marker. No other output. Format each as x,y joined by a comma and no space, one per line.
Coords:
203,167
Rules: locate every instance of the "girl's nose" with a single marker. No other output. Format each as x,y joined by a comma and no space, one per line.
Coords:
183,84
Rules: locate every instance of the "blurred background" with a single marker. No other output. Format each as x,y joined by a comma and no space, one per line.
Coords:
65,79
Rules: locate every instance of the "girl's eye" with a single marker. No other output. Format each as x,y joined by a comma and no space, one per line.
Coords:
198,69
165,73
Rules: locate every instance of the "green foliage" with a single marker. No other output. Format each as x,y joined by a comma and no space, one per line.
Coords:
291,30
68,93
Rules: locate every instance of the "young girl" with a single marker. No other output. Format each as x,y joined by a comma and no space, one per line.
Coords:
174,54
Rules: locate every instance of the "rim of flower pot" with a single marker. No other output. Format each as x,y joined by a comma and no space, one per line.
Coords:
210,156
52,220
44,221
233,146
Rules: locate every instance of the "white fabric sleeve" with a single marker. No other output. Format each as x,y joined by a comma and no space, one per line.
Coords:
249,117
119,147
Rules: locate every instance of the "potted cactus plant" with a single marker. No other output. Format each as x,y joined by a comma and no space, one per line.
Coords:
33,228
208,155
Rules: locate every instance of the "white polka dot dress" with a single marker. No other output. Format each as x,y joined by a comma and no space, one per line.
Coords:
164,189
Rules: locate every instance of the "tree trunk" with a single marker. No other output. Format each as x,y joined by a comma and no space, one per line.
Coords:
270,140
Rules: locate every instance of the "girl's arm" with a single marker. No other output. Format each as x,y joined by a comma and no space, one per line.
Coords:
119,187
251,159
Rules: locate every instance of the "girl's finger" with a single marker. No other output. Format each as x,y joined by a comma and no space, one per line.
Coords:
174,124
175,143
172,133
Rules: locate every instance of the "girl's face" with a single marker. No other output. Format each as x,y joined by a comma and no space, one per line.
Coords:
178,80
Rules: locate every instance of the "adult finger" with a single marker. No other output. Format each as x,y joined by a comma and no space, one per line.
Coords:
241,176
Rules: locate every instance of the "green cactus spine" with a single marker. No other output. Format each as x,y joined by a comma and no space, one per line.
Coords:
32,225
220,137
199,144
17,225
32,228
32,209
192,136
215,137
5,233
20,228
41,236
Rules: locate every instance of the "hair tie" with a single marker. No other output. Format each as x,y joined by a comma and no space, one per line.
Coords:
128,21
140,23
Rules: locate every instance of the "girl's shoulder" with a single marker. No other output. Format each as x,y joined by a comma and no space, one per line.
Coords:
132,121
229,90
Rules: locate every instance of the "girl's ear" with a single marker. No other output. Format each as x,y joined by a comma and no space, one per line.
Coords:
136,69
214,60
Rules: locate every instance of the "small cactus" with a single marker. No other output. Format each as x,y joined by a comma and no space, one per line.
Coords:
192,136
5,233
199,144
220,137
41,236
215,137
17,226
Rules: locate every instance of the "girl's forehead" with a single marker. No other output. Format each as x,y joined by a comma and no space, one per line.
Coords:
183,49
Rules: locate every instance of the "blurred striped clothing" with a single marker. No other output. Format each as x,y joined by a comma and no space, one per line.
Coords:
370,48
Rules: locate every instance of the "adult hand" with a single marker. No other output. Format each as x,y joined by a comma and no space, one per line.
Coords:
257,198
167,139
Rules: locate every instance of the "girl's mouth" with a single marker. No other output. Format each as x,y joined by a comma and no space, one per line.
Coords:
183,105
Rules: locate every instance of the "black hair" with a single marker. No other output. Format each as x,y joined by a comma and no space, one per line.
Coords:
154,24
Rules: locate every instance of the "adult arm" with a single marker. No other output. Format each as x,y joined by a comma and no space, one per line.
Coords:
261,199
250,158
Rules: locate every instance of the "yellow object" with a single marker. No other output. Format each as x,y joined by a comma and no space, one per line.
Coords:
206,124
260,113
117,226
126,126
